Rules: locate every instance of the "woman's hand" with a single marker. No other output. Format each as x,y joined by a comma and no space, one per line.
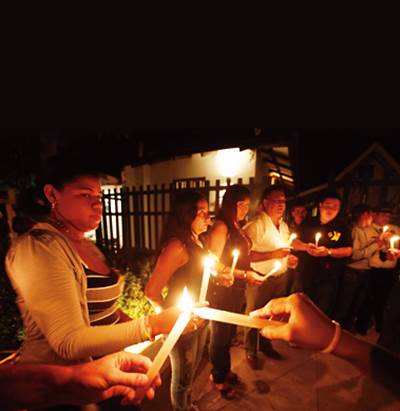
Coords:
226,279
254,278
162,322
306,325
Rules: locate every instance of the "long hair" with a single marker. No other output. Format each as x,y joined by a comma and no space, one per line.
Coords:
182,214
228,210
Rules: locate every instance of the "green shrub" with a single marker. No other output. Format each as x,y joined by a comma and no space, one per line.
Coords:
133,301
11,328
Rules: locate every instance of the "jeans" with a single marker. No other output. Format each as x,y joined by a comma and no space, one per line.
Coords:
257,297
228,299
185,358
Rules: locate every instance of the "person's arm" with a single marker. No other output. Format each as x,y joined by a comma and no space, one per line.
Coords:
173,256
341,252
39,385
53,294
268,255
299,245
307,326
361,248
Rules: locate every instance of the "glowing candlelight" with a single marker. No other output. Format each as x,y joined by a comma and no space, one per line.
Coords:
393,240
277,267
231,318
185,305
208,266
235,254
291,238
384,229
317,238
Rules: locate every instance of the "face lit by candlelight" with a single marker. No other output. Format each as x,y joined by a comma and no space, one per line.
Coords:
329,209
275,204
78,202
202,219
242,209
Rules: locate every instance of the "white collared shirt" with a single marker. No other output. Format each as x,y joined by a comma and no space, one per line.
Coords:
265,236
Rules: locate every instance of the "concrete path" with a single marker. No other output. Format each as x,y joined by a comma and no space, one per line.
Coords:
303,381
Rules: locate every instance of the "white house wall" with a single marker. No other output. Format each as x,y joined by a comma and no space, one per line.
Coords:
208,165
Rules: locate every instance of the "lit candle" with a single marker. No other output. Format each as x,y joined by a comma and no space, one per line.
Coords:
232,318
185,305
392,241
208,265
384,229
291,238
235,254
317,238
277,267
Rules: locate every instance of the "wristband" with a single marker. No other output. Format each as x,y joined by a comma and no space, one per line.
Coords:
148,329
335,339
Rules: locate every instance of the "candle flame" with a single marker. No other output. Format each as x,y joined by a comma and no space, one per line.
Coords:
393,240
235,253
317,238
385,228
209,262
185,303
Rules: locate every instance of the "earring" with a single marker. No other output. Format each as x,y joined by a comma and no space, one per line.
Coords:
53,206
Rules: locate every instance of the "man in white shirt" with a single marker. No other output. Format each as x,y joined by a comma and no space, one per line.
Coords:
270,256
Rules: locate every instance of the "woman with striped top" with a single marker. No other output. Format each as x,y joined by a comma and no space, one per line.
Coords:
47,269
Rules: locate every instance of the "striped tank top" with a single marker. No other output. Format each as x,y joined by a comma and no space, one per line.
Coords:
103,291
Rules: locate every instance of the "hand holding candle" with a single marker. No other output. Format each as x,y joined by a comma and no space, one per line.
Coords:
185,305
393,240
384,229
291,238
317,238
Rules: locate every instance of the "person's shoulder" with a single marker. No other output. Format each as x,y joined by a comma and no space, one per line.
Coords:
41,235
219,225
175,246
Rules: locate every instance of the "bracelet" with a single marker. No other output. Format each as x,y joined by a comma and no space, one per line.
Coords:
148,330
245,274
335,339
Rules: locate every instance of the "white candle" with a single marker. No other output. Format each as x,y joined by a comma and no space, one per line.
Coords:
317,238
277,267
235,254
185,305
208,265
291,238
231,318
393,240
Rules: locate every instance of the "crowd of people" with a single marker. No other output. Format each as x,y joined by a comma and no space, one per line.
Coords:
67,292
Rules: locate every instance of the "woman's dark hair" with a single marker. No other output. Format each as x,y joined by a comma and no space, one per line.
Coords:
58,170
228,210
179,221
62,169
